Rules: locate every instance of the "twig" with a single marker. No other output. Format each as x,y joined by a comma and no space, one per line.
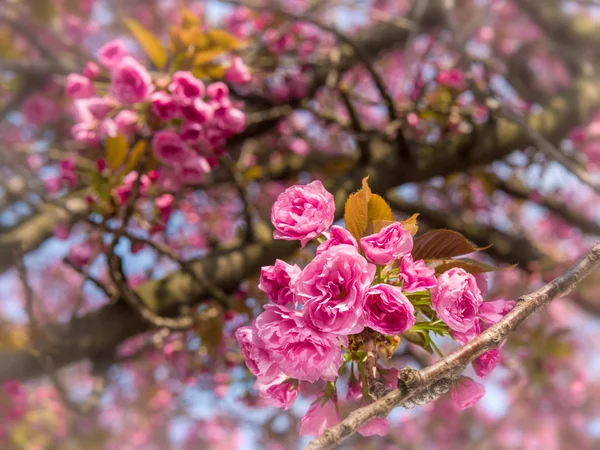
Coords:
547,148
46,360
240,186
115,265
415,386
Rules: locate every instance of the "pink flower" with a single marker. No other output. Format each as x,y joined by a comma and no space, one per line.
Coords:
91,109
333,287
235,120
390,243
217,91
466,392
377,426
169,148
319,417
61,231
39,110
237,72
495,310
299,351
416,275
387,310
111,53
91,70
276,281
302,212
78,86
279,392
354,389
197,111
338,236
257,358
453,78
469,335
186,88
80,254
126,122
486,363
456,299
163,106
193,169
130,82
192,133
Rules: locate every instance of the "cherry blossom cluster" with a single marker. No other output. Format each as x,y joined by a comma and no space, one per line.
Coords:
188,122
319,317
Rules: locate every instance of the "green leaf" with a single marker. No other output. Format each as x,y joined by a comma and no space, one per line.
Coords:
149,42
442,244
134,157
116,150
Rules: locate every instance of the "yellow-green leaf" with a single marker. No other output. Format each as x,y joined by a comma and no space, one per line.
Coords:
207,56
223,39
379,209
149,42
410,224
116,150
365,211
136,154
356,211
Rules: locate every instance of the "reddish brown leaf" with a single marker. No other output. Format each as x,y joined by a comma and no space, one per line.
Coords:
442,244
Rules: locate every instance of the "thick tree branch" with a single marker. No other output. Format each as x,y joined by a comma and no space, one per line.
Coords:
413,384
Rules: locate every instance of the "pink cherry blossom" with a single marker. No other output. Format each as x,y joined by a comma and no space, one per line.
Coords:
197,111
130,82
387,310
169,148
258,359
186,88
466,392
416,276
332,288
486,363
377,426
192,133
78,86
338,236
303,212
279,392
391,242
456,299
237,72
163,106
111,53
300,351
277,281
319,417
193,169
493,311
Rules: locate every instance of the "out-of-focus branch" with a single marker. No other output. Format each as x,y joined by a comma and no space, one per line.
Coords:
573,30
519,190
413,385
